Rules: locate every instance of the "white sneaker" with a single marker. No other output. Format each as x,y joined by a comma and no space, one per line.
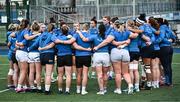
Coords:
157,86
130,90
53,80
117,91
78,91
84,92
100,93
136,89
105,91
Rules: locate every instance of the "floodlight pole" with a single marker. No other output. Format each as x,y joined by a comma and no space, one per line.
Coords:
8,13
97,6
134,8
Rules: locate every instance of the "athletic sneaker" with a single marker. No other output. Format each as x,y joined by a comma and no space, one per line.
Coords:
110,77
27,89
39,91
148,88
67,93
105,91
117,91
11,87
100,93
19,90
53,80
93,76
60,92
84,92
47,92
78,91
130,90
136,89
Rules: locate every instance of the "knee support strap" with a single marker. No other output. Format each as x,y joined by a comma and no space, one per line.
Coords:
147,69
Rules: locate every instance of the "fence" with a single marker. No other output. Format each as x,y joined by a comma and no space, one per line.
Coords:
84,12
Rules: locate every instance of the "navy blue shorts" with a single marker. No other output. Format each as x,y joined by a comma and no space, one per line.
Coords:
64,60
47,58
13,58
83,61
134,56
156,54
147,52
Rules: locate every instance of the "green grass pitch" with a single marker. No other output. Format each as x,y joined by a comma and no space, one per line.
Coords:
164,94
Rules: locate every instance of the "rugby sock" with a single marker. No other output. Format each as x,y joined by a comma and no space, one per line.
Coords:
93,73
60,89
19,86
83,88
74,74
39,87
67,89
136,85
47,87
149,84
78,87
111,73
130,85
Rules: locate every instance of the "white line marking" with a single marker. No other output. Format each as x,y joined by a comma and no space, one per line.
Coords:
4,90
4,64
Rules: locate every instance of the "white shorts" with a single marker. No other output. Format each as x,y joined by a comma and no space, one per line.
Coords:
120,55
34,57
101,59
133,66
22,56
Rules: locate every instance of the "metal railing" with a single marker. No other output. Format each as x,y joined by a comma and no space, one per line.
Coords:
85,12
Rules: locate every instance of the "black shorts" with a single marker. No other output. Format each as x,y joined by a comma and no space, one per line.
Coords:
147,52
64,60
47,58
83,61
13,58
134,56
156,54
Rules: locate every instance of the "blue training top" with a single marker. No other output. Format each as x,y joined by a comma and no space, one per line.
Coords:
20,38
43,40
120,36
97,39
63,49
80,42
134,45
31,42
93,31
147,31
165,34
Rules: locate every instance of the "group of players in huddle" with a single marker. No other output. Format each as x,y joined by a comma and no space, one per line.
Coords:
113,48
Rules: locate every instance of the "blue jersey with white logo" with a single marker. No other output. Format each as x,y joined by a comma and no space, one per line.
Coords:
93,31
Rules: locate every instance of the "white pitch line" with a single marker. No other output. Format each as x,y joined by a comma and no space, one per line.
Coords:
4,90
